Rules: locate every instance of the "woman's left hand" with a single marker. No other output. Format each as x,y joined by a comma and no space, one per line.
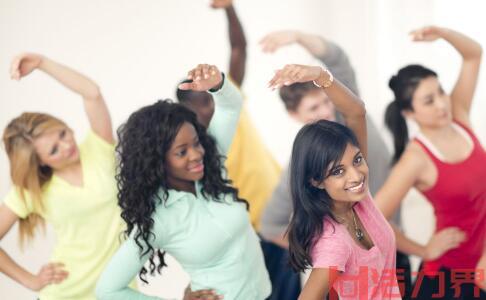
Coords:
24,64
426,34
294,73
481,269
204,77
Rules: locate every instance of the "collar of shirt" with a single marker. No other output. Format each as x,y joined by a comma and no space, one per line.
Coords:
175,196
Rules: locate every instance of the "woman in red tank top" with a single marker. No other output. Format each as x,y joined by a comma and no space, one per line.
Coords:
447,164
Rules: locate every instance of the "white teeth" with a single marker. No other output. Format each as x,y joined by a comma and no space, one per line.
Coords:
355,188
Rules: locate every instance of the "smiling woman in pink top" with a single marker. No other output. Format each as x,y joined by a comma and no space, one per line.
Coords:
335,229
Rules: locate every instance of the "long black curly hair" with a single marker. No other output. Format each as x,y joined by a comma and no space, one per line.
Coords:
141,175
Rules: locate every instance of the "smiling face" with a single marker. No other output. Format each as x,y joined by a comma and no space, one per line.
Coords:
56,148
431,105
347,181
314,106
184,160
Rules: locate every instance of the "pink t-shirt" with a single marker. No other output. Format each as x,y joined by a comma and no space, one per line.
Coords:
365,274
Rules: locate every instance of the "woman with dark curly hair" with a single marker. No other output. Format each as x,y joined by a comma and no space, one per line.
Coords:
175,199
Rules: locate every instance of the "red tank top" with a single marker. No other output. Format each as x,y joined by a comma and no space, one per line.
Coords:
459,199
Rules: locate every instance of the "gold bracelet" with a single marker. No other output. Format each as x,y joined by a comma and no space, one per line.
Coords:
328,82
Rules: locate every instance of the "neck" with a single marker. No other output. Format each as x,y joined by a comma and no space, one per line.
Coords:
438,132
342,209
73,168
183,186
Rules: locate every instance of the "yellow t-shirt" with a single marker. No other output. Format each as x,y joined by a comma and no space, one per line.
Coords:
86,220
252,168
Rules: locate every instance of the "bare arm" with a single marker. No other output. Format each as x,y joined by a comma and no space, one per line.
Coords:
318,285
273,41
403,177
94,104
352,108
471,52
237,41
50,273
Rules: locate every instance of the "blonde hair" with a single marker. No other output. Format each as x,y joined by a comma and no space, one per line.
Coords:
26,170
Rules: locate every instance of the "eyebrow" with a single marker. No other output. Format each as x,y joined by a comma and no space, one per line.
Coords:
185,144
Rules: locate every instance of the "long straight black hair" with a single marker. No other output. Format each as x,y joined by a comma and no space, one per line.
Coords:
318,147
403,86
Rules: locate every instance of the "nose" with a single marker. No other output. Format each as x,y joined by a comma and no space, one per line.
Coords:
354,175
441,103
195,154
65,146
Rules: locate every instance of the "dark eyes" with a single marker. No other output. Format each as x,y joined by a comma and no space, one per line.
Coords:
337,172
183,152
358,160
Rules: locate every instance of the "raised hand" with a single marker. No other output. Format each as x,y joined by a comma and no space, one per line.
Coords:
221,3
23,64
201,294
275,40
294,73
52,273
426,34
443,241
204,77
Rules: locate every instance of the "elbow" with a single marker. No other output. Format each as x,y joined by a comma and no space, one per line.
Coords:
93,93
360,111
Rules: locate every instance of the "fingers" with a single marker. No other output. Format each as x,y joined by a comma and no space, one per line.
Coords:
275,40
268,44
288,75
203,77
452,237
205,294
15,68
53,273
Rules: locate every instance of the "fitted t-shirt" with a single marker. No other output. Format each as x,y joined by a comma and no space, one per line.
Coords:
364,274
86,220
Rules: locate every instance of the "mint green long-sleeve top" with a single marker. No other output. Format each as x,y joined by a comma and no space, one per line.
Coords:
213,241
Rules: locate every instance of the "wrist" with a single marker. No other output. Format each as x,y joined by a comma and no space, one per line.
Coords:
27,280
424,253
218,86
42,62
324,79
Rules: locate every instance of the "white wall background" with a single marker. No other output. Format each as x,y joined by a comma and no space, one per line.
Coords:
138,50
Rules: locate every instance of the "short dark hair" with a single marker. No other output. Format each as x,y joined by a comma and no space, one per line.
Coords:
291,95
184,96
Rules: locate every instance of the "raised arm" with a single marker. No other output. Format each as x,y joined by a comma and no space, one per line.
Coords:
237,41
227,100
328,52
94,104
352,108
471,52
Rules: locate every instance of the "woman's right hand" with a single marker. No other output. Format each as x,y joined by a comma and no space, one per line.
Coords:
52,273
291,74
443,241
201,294
23,64
278,39
426,34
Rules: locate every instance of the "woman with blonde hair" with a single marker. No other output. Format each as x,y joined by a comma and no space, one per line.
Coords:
70,186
